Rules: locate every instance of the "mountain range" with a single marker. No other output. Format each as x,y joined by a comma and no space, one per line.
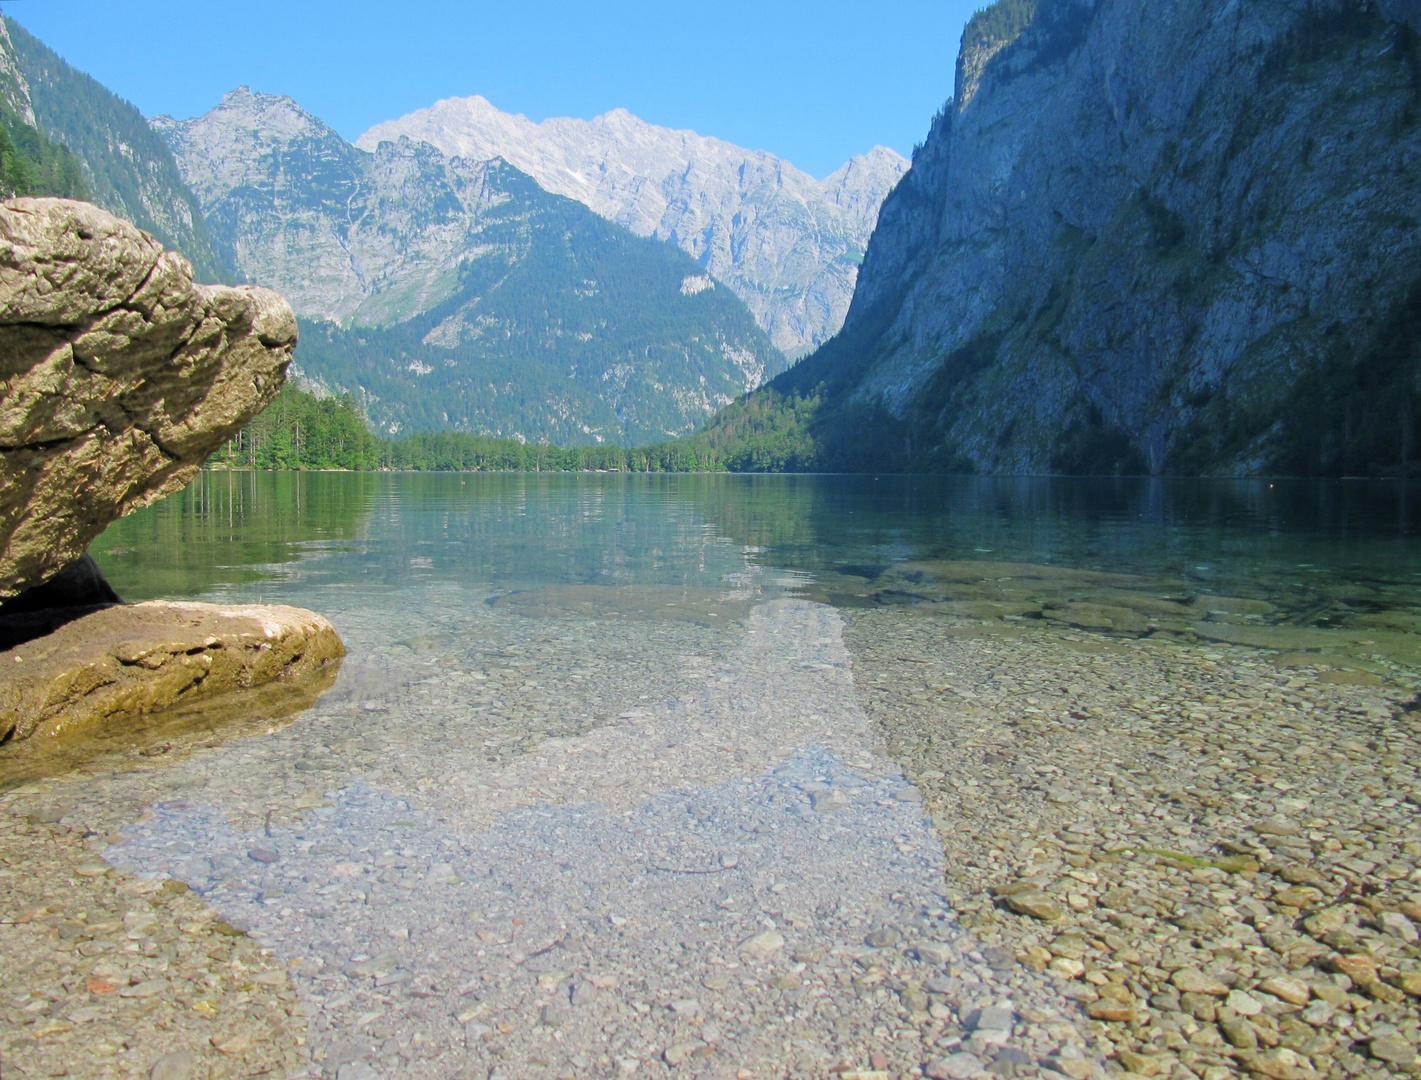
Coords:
1135,240
452,293
1140,238
787,244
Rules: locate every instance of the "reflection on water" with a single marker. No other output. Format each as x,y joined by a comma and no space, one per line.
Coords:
593,794
1323,552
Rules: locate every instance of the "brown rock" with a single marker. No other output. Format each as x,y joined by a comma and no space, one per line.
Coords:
118,376
1037,904
1115,1011
1380,991
1326,921
116,663
1194,981
1277,825
1395,1050
1144,1064
1293,991
1362,970
1240,1033
1298,897
1280,1064
1300,875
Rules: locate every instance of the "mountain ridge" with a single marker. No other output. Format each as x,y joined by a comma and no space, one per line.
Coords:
451,294
1143,241
786,243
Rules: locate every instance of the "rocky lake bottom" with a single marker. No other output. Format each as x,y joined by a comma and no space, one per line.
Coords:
865,825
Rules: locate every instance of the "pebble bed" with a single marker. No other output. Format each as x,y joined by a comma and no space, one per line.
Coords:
1218,857
692,834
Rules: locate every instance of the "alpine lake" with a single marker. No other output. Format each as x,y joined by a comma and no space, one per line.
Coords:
748,776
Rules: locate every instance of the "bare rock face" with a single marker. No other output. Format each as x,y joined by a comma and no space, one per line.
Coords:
787,244
118,376
116,663
1167,238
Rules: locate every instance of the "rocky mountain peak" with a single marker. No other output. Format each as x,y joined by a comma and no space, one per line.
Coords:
1144,238
789,245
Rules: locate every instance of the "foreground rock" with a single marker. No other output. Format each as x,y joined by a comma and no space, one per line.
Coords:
119,662
118,376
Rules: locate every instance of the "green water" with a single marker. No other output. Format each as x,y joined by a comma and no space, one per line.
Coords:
1322,551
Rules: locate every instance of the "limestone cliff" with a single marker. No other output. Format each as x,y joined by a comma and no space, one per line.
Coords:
789,245
457,293
118,376
1143,237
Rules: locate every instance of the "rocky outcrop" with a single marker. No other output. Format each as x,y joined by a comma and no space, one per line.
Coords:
348,237
108,667
1157,238
118,376
787,244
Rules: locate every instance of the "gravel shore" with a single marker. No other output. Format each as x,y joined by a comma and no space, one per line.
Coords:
1219,857
1158,855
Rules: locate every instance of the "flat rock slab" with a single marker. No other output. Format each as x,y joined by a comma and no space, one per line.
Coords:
119,662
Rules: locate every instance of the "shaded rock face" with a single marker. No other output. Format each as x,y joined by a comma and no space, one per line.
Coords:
118,377
1157,238
116,663
80,584
70,594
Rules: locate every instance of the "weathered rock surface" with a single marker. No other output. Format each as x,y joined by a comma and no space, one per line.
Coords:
1124,781
787,244
1166,239
124,660
118,376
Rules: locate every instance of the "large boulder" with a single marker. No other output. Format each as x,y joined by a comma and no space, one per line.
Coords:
118,376
103,670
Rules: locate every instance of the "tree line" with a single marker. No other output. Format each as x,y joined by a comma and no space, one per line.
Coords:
299,430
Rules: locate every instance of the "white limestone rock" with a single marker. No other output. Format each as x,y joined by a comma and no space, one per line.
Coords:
787,244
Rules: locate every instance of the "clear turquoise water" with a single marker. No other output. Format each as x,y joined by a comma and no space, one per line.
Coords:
593,718
1321,550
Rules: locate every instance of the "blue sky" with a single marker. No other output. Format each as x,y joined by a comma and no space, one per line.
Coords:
813,81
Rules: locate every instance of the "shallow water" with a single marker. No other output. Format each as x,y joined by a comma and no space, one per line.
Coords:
592,792
1320,550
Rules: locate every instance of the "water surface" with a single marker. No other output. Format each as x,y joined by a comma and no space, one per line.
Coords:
593,794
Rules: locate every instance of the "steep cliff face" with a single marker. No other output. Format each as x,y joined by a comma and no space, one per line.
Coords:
787,244
1164,238
453,293
14,89
346,235
126,167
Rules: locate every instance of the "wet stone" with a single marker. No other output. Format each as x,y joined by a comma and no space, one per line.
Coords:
492,845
